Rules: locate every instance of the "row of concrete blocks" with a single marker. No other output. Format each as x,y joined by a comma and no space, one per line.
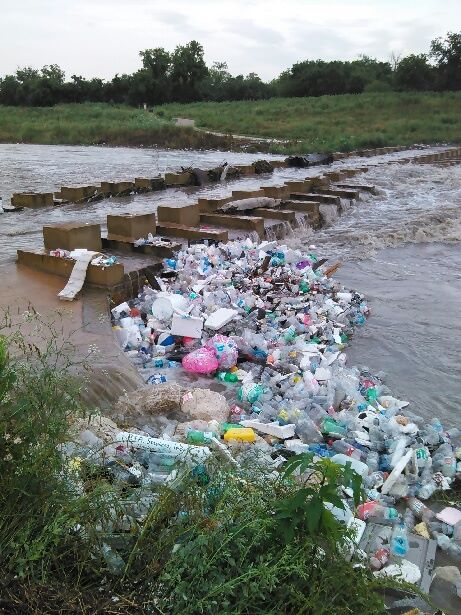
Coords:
81,194
448,155
124,229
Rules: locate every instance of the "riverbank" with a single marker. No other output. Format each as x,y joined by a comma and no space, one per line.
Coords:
101,124
326,123
335,123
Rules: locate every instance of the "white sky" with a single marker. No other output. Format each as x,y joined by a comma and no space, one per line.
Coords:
102,37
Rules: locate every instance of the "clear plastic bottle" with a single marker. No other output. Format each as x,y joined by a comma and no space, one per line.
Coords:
399,540
372,461
409,519
341,446
420,510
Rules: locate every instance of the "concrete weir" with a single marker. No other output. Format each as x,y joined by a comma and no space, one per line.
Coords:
281,208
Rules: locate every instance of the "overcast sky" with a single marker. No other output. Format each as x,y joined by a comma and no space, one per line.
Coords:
102,37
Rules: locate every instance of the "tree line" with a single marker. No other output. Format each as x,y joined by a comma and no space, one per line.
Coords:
183,76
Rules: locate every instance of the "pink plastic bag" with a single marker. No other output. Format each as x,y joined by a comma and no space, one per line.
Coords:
200,361
225,350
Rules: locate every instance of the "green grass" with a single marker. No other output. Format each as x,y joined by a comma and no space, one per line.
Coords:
336,123
95,124
327,123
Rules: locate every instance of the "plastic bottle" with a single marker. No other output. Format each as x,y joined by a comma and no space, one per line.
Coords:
442,528
409,519
341,446
372,461
380,558
195,436
399,540
376,509
115,563
245,434
420,510
227,376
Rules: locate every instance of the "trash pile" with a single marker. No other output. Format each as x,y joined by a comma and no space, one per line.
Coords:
150,240
103,260
241,346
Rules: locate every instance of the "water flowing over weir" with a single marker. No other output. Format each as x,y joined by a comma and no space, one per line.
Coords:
401,248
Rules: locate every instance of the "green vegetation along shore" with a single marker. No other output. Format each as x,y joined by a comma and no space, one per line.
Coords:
326,123
97,124
336,123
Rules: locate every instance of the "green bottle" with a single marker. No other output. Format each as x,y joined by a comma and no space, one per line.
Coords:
227,377
194,436
304,286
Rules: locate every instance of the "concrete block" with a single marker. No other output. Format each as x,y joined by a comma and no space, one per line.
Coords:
178,179
235,221
32,199
73,235
244,169
305,207
130,226
208,205
239,195
188,215
319,182
359,187
275,214
114,188
179,230
334,176
279,164
299,186
96,276
313,196
78,193
344,193
275,192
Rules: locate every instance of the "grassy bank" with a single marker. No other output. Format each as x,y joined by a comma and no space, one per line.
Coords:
97,124
327,123
336,123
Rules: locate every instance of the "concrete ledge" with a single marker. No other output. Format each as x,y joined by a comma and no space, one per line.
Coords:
275,214
179,230
306,207
188,215
360,187
275,192
115,188
130,226
240,195
178,179
78,193
209,205
72,235
121,245
279,164
345,193
96,276
236,221
319,182
321,198
147,184
299,186
244,169
32,199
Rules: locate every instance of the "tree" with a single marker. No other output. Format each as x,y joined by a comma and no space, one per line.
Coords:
154,81
414,73
447,56
188,71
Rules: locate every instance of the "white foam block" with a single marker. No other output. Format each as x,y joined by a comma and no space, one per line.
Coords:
190,326
220,318
273,429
